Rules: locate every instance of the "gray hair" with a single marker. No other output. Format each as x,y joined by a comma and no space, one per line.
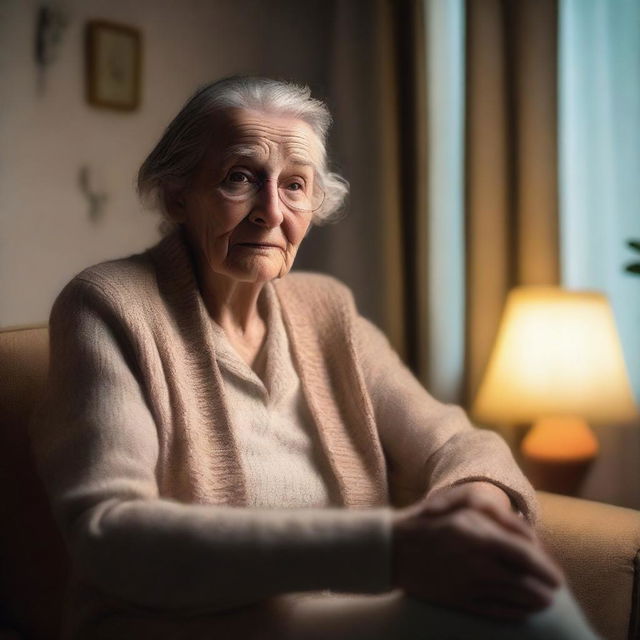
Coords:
173,161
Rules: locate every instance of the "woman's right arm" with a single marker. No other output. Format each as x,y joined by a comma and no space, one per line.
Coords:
96,445
460,545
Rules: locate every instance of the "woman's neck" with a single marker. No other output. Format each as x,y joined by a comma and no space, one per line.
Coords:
231,303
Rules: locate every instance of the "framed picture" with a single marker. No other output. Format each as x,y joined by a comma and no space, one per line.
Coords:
113,65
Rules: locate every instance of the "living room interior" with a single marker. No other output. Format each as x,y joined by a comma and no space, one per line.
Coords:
491,148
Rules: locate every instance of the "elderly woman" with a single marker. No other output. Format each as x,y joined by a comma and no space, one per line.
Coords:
230,450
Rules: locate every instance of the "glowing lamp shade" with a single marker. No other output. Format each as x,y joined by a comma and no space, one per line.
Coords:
557,354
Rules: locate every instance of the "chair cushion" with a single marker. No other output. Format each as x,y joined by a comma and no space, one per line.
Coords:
32,554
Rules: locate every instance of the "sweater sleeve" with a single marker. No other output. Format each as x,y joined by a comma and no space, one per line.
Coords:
430,445
96,447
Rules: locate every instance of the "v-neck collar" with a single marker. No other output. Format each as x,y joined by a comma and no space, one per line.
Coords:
316,323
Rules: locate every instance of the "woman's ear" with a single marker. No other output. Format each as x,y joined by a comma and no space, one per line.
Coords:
174,202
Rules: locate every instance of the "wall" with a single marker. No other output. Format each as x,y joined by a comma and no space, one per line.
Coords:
47,132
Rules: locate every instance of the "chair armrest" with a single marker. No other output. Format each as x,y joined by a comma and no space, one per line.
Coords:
598,547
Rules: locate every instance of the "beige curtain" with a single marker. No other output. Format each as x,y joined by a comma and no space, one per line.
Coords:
376,92
377,88
360,89
411,64
511,162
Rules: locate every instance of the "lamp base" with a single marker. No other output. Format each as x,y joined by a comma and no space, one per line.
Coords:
565,477
558,452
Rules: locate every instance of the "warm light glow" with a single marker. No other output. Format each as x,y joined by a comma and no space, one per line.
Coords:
560,439
557,354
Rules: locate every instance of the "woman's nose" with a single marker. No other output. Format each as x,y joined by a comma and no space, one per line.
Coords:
266,206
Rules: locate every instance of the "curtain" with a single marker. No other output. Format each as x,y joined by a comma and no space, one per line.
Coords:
413,180
376,93
511,162
383,89
362,249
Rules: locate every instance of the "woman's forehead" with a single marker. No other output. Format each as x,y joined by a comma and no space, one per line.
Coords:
258,136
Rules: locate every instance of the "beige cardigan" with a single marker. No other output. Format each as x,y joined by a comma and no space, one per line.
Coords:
136,448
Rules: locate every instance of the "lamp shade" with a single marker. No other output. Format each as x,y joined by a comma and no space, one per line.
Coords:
557,354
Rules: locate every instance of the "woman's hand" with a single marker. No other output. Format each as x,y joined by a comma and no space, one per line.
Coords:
465,548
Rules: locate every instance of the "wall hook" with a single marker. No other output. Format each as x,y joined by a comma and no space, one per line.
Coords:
95,199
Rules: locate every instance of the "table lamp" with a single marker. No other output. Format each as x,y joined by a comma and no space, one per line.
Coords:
557,363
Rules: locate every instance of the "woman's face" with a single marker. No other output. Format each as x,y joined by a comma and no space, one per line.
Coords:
254,238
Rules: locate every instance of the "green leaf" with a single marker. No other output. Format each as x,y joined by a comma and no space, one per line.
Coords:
634,267
634,244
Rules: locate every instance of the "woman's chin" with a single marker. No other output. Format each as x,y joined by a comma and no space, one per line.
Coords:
258,269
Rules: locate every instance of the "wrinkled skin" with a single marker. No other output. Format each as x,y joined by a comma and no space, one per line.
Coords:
240,246
256,241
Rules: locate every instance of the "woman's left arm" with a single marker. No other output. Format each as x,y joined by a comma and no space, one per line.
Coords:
430,446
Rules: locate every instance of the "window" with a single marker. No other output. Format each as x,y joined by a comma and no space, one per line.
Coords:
599,137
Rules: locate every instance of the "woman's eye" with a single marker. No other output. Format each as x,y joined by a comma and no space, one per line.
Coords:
295,186
238,177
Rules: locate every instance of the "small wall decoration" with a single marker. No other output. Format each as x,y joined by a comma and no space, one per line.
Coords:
113,65
51,23
96,198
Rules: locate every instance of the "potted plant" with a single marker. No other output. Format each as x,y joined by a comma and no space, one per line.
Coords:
633,267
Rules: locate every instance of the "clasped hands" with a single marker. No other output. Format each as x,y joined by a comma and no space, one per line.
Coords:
466,549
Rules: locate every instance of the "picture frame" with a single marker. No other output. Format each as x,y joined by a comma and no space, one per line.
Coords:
113,65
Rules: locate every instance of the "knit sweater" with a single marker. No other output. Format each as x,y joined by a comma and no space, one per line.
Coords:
280,454
136,446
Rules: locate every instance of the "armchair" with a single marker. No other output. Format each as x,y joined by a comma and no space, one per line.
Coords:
596,544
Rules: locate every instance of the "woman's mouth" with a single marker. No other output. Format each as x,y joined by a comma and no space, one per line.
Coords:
258,245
